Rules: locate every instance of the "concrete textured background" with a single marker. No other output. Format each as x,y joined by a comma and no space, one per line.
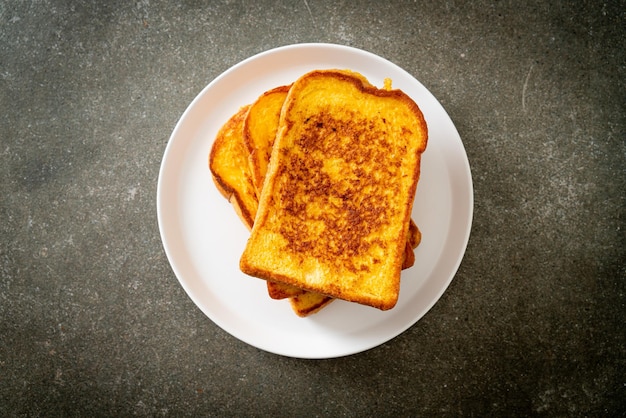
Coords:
94,321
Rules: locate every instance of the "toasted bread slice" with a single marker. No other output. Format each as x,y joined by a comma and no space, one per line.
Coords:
259,131
335,206
228,162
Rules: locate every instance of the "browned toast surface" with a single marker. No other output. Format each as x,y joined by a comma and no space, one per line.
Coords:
335,207
259,131
228,162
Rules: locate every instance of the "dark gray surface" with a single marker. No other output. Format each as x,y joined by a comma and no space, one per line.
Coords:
94,321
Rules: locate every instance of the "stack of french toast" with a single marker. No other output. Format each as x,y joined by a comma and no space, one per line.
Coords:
324,172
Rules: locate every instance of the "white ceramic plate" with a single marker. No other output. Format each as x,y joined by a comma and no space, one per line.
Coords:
204,238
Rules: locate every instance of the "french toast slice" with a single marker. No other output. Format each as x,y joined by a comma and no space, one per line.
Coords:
335,206
259,132
228,163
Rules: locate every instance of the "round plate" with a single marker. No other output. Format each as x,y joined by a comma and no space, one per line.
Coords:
204,238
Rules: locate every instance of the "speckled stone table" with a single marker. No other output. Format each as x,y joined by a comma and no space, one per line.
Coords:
94,322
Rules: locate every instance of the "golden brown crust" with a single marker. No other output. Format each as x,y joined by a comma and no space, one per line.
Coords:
409,256
345,166
282,290
227,163
259,131
309,303
414,234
